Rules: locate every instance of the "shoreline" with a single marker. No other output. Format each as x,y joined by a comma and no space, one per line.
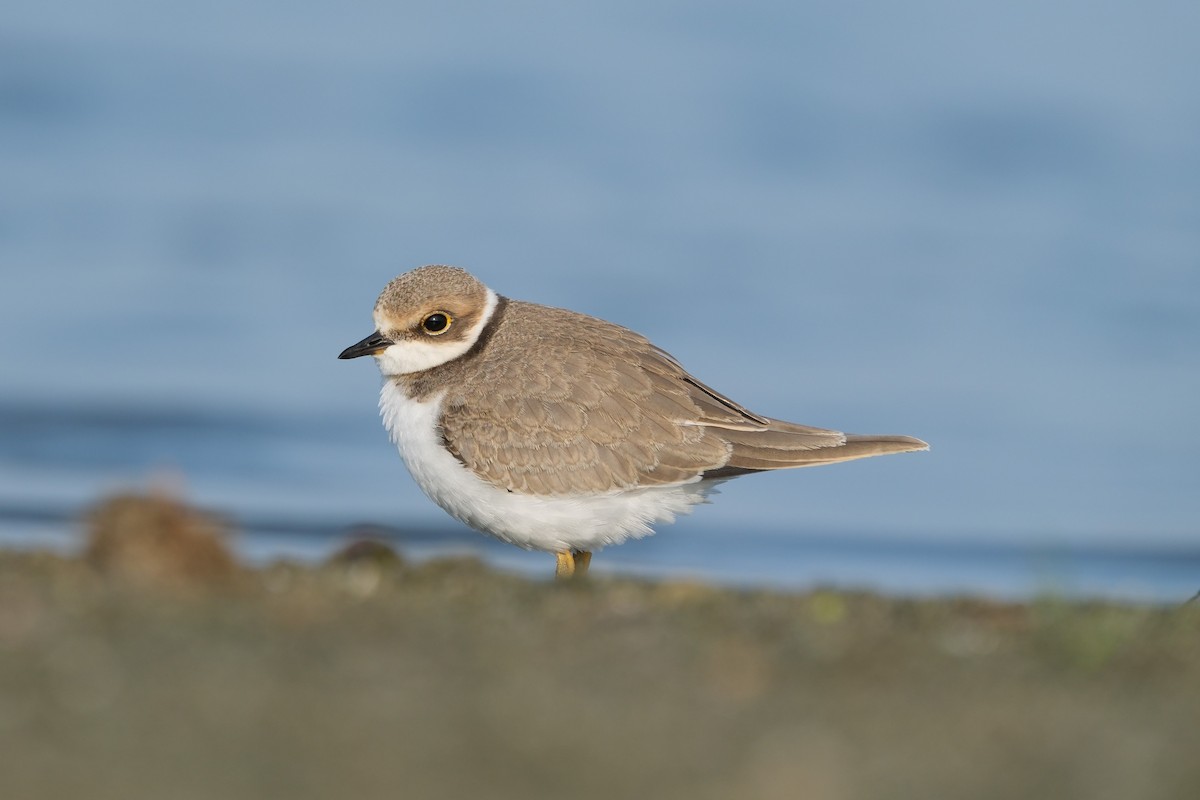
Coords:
373,675
896,567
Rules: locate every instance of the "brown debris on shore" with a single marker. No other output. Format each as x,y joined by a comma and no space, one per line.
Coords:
157,540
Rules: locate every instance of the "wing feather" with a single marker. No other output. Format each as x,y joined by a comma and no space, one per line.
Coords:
601,409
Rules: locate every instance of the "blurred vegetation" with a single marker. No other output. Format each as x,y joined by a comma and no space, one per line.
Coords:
130,672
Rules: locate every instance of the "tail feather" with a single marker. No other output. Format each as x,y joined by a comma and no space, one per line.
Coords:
787,446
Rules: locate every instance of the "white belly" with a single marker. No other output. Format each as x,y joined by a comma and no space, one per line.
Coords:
551,523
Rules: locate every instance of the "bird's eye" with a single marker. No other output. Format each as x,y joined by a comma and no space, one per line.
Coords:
436,324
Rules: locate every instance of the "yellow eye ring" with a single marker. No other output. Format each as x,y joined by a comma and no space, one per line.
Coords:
437,323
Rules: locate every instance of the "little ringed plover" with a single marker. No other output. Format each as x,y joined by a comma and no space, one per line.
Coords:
557,431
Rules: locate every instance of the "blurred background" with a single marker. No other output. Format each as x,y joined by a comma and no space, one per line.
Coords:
974,223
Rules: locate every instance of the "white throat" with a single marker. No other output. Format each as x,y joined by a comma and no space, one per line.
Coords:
404,358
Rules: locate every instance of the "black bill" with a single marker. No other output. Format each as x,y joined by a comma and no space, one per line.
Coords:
367,347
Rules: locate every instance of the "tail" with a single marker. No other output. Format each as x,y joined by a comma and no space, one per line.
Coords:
786,445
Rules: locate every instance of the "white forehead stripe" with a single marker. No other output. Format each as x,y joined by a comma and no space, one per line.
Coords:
419,355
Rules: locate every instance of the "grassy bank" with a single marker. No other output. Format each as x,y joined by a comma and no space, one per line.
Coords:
369,677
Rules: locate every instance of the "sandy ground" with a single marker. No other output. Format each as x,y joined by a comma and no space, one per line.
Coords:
127,674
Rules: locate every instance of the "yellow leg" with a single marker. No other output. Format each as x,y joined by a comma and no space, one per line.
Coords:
572,564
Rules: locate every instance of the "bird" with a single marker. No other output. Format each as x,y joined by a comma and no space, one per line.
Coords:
561,432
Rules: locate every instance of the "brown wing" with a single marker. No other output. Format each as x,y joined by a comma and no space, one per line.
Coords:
602,409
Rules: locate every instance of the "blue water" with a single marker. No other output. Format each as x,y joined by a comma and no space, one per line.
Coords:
976,225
